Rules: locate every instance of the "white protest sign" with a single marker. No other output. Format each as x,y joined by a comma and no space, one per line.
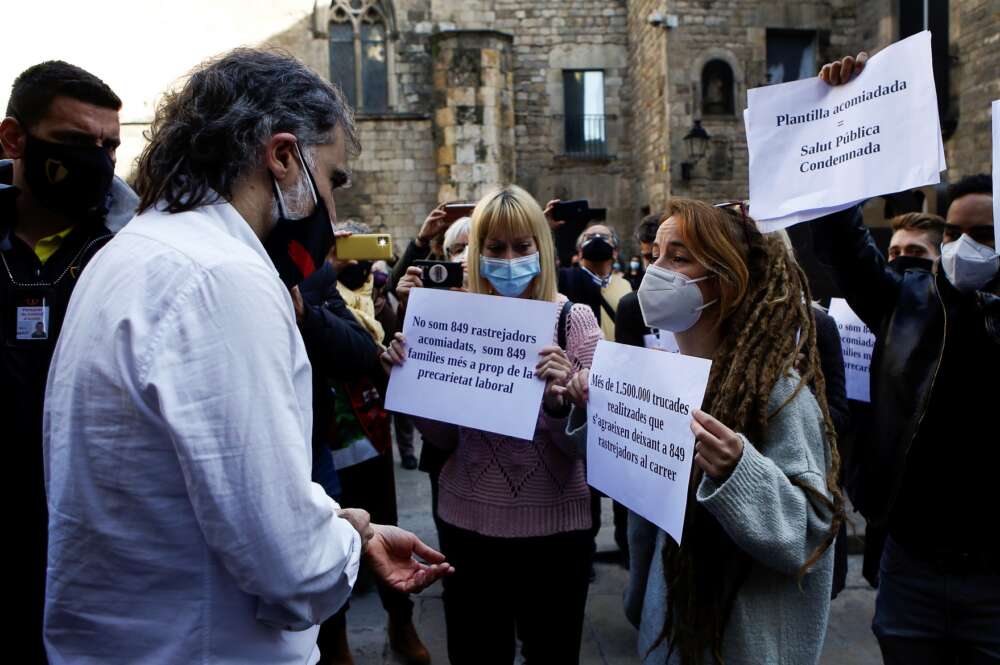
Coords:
639,440
470,360
996,172
661,340
815,146
783,222
856,344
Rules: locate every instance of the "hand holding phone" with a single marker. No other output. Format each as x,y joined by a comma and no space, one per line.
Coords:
440,274
455,211
572,211
364,247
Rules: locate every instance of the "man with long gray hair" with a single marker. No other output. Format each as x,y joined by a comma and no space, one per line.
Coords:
185,528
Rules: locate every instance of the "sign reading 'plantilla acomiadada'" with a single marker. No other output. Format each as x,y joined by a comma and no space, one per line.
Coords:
816,148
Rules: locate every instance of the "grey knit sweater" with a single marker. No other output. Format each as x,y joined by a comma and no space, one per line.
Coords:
773,621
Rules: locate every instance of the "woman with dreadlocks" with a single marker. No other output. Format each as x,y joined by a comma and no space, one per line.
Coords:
751,583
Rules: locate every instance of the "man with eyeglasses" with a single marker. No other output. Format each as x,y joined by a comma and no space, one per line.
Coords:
178,419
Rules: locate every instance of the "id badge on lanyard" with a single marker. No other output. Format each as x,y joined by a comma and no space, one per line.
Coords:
28,321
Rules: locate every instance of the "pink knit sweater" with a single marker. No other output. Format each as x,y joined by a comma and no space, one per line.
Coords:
505,487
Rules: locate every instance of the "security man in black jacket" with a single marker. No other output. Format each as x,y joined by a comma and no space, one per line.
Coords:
59,201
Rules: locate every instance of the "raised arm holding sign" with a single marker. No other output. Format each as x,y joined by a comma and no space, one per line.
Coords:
815,147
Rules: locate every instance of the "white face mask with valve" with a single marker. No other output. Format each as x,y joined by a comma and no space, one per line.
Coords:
969,265
669,300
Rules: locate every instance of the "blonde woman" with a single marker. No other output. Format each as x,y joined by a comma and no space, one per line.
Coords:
515,514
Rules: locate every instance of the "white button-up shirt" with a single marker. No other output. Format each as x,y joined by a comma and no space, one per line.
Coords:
183,526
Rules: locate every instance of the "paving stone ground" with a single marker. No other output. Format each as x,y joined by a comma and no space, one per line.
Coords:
608,637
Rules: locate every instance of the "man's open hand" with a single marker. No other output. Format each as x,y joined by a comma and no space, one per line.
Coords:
390,553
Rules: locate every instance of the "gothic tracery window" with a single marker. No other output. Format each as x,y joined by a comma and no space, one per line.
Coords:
360,34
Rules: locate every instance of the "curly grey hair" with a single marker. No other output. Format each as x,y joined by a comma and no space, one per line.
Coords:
209,135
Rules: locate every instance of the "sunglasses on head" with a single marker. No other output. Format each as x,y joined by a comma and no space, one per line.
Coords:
742,207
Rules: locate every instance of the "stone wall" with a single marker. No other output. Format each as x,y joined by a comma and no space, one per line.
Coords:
736,33
975,48
473,112
550,37
393,179
649,102
652,96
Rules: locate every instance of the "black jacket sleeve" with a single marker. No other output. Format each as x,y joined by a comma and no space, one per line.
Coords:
843,243
629,324
832,362
337,345
411,254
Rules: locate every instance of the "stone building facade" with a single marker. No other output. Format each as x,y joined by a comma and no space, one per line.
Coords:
573,98
477,93
476,99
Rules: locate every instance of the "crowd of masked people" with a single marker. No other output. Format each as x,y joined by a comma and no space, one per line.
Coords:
194,393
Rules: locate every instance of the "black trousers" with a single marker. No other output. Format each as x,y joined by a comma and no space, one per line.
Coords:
503,589
620,514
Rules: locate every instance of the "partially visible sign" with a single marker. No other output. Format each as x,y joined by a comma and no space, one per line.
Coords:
856,343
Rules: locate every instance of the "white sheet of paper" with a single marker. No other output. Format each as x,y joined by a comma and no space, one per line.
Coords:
996,173
783,222
639,441
815,146
471,360
769,225
661,340
856,343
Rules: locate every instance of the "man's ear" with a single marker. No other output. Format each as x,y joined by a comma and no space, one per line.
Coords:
281,158
12,138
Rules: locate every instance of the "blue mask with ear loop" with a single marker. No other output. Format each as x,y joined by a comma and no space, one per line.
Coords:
510,277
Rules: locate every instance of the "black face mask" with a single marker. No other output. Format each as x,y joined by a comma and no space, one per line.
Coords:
901,264
70,179
354,276
597,249
298,247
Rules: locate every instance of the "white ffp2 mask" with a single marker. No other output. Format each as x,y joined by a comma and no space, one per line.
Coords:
669,300
969,265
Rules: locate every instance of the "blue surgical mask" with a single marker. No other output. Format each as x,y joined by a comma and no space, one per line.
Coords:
510,277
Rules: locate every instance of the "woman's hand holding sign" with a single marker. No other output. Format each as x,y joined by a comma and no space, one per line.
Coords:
394,354
555,368
717,449
578,389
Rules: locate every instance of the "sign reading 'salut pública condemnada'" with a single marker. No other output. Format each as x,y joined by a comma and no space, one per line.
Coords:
470,360
816,148
639,440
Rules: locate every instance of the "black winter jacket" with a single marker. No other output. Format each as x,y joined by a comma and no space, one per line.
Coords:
934,375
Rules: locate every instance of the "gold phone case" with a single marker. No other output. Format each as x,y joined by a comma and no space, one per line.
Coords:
365,247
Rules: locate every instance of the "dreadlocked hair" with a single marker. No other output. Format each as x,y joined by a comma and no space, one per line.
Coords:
764,300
